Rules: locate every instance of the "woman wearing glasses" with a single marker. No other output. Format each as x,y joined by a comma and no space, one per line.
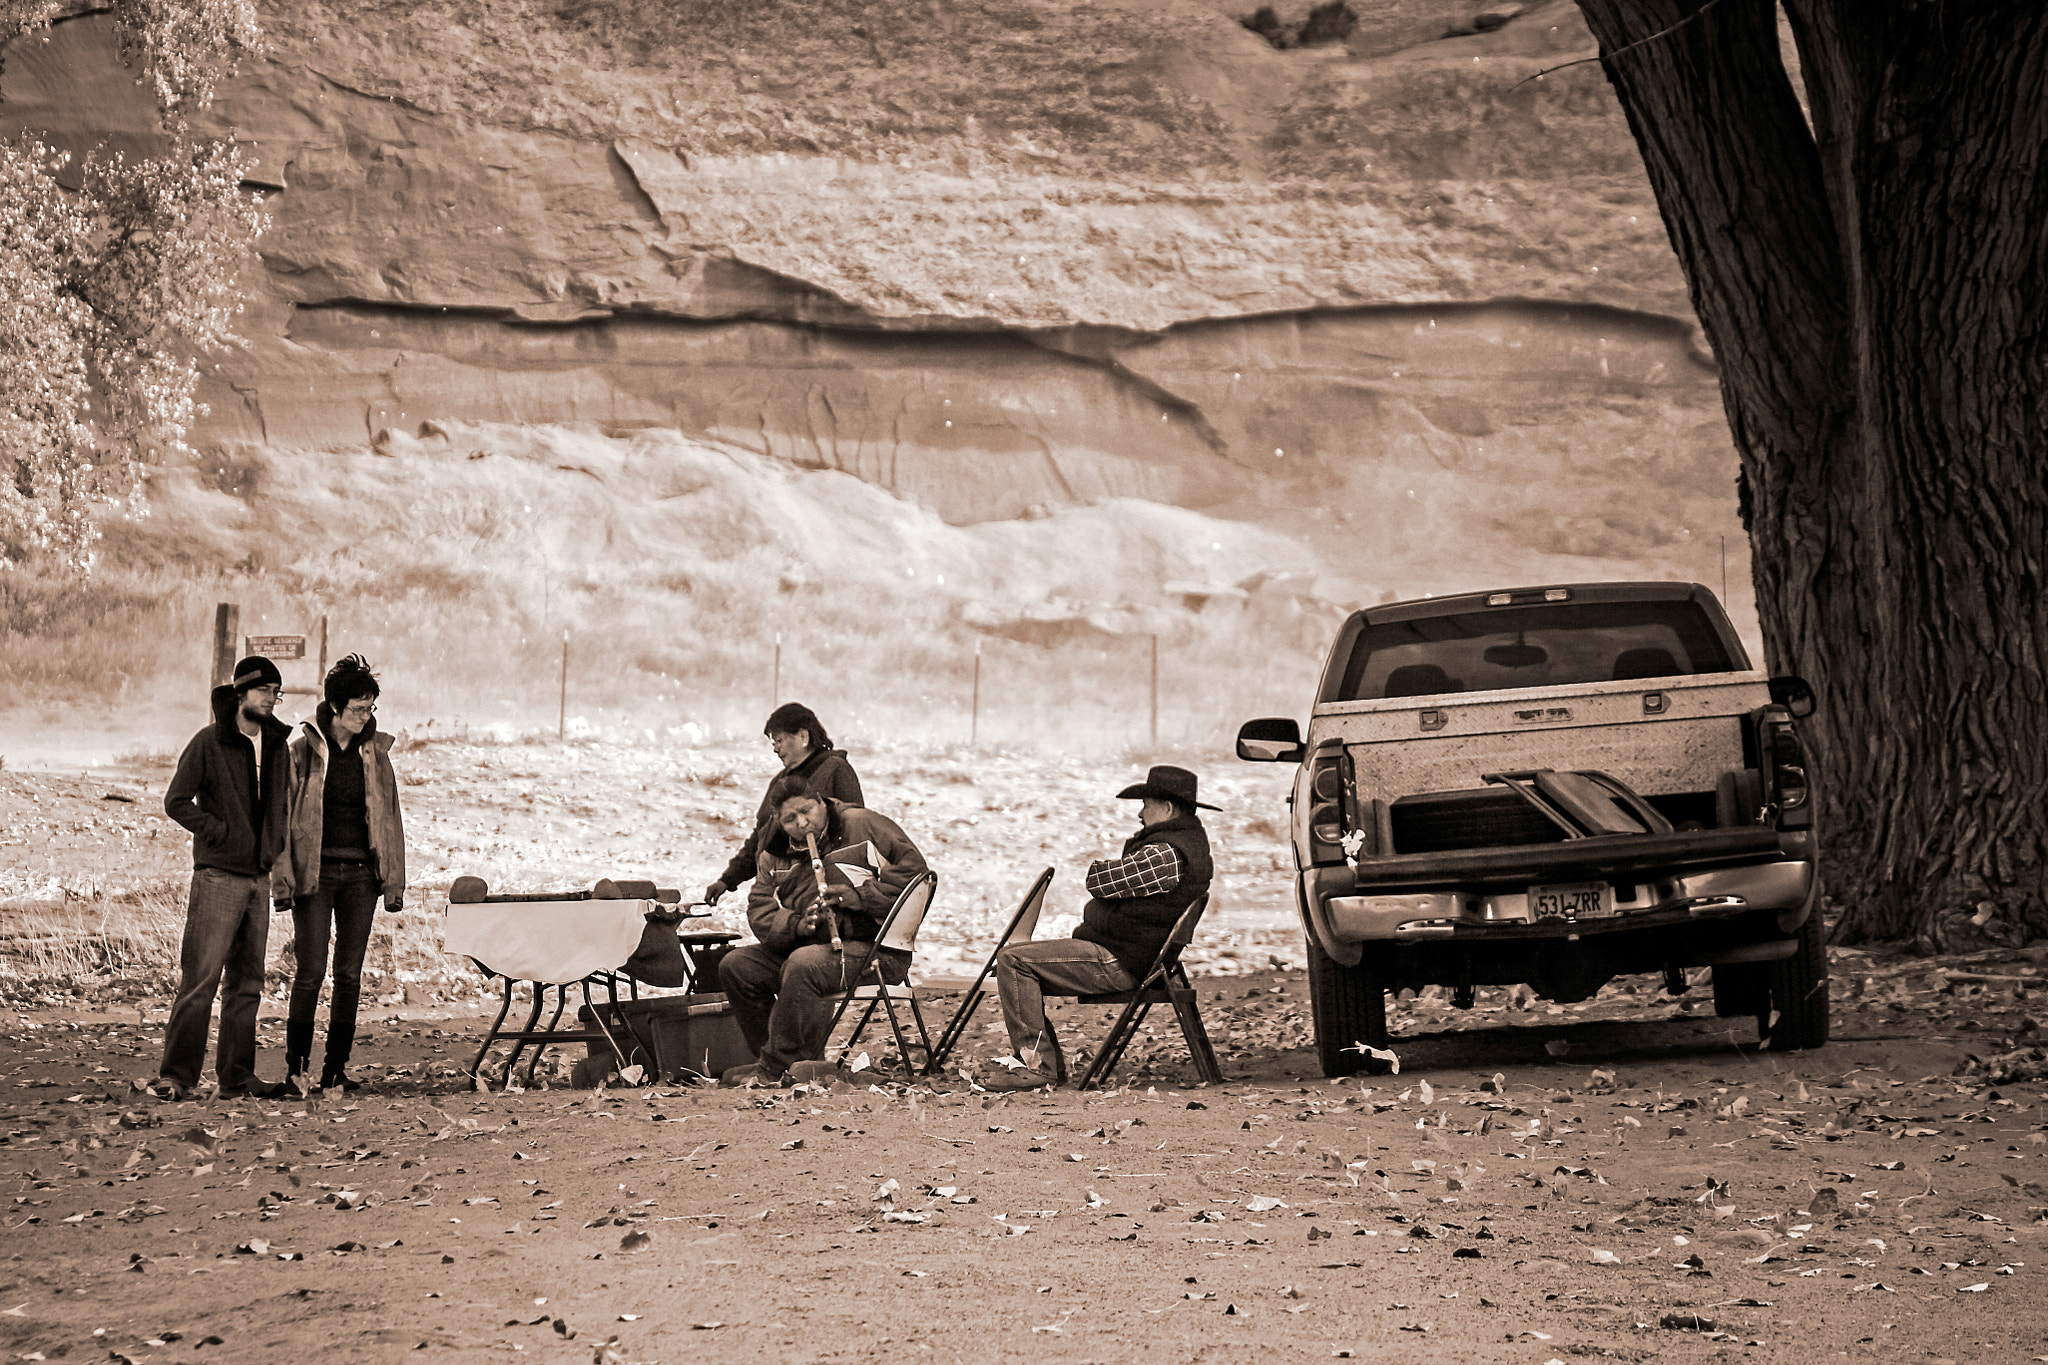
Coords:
345,847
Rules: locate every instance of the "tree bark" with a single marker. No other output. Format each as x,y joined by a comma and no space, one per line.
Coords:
1874,282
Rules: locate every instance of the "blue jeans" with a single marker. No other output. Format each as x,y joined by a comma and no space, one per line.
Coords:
227,930
1026,973
783,1005
345,906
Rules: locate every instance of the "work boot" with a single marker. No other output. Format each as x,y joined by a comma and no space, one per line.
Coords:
751,1074
814,1073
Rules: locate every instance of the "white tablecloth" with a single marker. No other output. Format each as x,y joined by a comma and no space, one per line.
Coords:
551,941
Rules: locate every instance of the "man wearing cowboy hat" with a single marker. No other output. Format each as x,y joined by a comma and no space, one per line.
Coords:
231,791
1134,903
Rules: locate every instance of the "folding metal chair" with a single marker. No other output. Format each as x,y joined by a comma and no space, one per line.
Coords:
1023,924
899,931
1166,984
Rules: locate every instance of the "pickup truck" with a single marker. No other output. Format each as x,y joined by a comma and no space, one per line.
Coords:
1554,786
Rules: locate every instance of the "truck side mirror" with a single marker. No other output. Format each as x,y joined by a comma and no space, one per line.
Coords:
1276,739
1794,694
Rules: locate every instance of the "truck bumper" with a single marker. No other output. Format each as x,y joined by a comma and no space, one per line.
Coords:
1493,916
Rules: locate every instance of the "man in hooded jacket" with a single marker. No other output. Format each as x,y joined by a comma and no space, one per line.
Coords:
231,791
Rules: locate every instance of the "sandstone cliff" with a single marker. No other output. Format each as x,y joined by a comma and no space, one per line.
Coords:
994,257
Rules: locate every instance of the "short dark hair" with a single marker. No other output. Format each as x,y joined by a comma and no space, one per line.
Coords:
348,680
788,787
791,717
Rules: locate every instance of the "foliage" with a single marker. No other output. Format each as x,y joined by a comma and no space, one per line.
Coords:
119,271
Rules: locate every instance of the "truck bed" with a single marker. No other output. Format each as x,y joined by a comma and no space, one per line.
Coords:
1407,745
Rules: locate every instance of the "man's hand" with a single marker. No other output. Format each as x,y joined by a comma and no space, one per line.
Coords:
714,891
394,905
280,904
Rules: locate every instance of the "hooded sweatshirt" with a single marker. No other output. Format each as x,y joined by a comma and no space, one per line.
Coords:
236,825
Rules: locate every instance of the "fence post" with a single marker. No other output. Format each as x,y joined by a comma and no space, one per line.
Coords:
227,629
323,651
562,715
1155,691
974,712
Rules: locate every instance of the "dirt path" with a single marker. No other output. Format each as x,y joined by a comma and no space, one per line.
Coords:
1618,1179
1654,1192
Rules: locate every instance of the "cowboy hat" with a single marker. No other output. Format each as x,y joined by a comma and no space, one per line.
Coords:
1169,784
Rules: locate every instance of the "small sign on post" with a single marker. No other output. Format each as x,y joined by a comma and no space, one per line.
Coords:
277,646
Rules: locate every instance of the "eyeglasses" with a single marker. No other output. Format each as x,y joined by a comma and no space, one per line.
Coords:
360,708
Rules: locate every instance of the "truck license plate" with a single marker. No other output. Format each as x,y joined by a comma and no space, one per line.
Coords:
1575,900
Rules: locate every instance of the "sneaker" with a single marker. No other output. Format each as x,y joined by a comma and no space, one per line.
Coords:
164,1088
811,1073
1023,1078
751,1074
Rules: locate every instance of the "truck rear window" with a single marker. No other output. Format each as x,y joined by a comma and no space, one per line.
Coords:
1535,646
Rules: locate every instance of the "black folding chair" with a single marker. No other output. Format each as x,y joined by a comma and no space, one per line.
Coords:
1023,924
1166,984
898,931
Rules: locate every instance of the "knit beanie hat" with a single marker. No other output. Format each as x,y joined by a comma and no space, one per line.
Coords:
257,671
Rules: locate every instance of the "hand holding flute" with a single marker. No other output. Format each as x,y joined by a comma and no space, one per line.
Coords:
825,905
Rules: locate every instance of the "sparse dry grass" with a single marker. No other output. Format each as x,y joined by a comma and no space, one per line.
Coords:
108,950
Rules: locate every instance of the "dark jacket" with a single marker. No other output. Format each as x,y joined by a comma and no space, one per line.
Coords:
1135,928
298,872
787,884
235,827
829,774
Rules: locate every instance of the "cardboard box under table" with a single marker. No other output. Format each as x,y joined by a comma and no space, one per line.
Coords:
676,1037
553,944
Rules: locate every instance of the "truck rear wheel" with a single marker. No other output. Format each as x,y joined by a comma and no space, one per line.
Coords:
1799,991
1350,1007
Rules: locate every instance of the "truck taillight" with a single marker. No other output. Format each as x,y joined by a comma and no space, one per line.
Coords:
1326,823
1790,791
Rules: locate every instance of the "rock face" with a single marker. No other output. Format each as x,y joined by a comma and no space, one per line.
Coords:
990,257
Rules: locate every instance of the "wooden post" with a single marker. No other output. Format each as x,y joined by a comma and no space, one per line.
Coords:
974,707
1155,691
1724,573
227,629
562,715
323,651
775,676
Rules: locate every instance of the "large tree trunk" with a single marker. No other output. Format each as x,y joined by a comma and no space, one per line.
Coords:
1875,286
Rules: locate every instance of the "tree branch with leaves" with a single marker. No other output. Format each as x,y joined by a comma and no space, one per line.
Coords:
119,273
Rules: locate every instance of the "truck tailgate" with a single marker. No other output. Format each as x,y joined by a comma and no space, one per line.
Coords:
1606,858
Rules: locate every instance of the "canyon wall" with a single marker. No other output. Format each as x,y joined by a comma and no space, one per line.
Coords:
990,257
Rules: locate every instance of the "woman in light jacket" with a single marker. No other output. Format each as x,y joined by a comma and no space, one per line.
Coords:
344,848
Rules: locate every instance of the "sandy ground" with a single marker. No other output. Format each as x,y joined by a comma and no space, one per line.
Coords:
1621,1179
